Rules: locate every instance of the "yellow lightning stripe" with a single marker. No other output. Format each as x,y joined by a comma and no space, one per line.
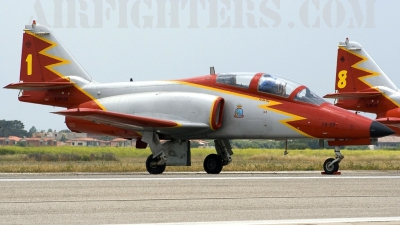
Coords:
44,52
61,63
292,117
217,90
91,97
270,103
371,73
356,66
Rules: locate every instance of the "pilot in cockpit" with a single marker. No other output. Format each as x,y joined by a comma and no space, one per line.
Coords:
269,84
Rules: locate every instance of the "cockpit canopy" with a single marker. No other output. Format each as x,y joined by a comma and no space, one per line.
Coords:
271,85
276,86
241,80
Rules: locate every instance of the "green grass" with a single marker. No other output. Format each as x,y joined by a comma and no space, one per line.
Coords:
118,151
123,159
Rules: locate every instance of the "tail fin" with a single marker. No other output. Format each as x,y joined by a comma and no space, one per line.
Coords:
49,73
356,71
360,84
45,59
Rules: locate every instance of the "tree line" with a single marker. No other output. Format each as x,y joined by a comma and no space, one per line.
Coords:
17,128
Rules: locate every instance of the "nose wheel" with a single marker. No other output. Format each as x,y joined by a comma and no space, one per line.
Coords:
331,165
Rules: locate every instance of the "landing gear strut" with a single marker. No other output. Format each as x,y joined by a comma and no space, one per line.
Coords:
331,165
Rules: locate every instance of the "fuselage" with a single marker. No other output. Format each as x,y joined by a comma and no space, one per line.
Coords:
249,111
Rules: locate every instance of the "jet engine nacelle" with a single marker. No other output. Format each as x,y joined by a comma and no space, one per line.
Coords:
176,106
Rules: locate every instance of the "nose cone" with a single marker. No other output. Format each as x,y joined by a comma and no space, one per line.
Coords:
377,130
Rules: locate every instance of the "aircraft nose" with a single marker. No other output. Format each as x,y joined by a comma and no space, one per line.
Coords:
377,130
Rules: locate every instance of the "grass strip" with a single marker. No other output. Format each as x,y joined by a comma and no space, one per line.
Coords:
16,159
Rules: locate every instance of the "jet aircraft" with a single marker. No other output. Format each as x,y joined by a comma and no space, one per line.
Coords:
166,115
362,86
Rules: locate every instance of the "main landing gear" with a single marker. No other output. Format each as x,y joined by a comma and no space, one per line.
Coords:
154,166
331,165
177,153
214,163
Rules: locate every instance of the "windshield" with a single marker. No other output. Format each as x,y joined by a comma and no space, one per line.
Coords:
276,85
308,96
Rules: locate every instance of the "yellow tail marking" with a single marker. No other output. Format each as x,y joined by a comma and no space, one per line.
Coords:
358,67
342,79
371,73
28,61
61,63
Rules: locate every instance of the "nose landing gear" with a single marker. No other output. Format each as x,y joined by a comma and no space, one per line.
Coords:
331,165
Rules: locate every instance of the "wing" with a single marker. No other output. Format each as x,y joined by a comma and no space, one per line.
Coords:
134,122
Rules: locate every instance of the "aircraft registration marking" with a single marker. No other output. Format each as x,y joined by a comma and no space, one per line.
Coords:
63,99
342,79
329,124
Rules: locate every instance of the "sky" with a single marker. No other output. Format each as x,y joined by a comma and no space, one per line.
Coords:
115,40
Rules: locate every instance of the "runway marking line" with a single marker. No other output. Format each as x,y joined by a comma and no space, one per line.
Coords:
274,222
190,178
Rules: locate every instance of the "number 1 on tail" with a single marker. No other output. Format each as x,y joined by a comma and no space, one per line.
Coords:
28,61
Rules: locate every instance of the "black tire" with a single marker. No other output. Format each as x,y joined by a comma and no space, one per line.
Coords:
330,169
154,169
213,164
338,167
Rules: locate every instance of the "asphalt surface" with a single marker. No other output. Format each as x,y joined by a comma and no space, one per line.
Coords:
191,198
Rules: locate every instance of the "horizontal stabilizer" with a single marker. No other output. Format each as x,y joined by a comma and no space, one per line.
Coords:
125,120
39,86
353,95
389,120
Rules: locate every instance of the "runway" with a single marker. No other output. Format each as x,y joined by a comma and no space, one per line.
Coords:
199,198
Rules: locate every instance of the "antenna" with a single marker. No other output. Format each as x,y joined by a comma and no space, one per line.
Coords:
212,70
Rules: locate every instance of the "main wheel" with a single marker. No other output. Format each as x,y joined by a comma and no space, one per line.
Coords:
154,169
213,164
332,168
